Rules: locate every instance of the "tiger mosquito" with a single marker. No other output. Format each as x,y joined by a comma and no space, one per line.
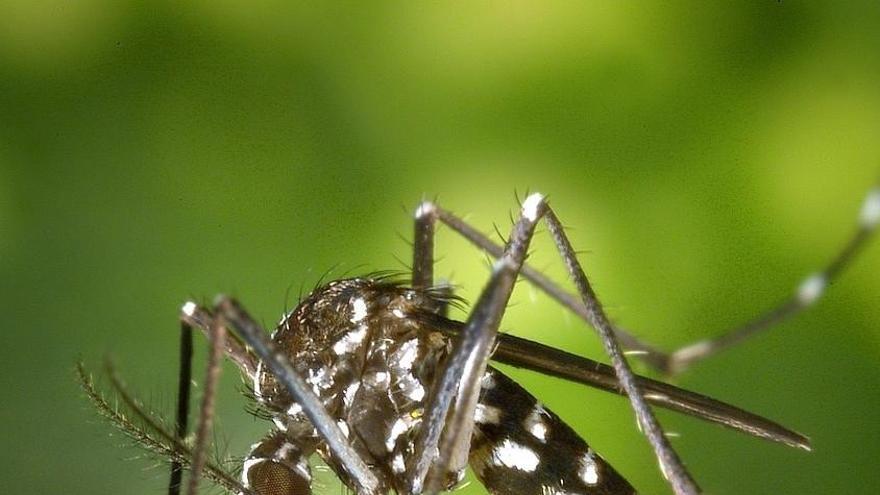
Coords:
371,375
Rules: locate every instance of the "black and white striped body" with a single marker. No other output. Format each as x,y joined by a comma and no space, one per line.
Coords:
521,447
365,351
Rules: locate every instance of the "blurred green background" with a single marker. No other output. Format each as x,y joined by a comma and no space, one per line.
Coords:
706,156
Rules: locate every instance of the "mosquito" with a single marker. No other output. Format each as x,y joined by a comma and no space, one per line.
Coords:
372,375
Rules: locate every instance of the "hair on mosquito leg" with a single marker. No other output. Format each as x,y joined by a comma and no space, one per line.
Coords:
206,412
148,431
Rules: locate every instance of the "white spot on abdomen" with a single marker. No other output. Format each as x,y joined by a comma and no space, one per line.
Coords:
515,456
535,423
589,471
487,415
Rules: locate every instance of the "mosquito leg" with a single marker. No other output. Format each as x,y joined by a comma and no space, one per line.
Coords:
184,380
216,333
364,480
149,431
454,397
423,246
670,464
193,315
807,294
468,361
423,255
206,413
432,213
230,312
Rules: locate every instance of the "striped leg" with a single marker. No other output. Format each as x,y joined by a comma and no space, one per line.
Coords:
435,459
521,448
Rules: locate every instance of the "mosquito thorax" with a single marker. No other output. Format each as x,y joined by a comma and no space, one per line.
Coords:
339,316
363,347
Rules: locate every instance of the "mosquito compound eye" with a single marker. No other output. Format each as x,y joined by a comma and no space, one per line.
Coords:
270,477
276,467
